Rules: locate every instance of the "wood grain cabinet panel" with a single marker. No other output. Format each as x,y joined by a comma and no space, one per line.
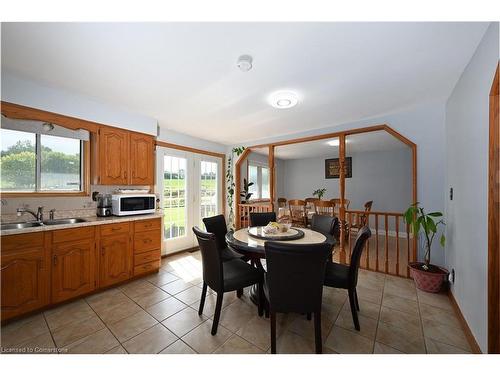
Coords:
113,156
141,159
73,269
147,241
116,259
25,282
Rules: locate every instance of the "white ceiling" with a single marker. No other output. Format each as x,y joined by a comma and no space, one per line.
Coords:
364,142
185,74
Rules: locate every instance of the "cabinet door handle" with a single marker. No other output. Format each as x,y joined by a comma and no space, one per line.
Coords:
55,260
102,250
125,174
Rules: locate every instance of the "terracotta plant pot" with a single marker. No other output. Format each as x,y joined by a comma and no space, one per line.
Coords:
429,281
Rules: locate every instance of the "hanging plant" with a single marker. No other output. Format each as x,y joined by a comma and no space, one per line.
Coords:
230,185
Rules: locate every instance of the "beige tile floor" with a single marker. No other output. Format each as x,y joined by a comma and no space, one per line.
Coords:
158,314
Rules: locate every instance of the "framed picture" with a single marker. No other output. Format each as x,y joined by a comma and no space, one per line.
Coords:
332,168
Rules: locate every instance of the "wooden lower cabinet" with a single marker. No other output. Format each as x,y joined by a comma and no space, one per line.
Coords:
73,269
25,279
115,259
43,268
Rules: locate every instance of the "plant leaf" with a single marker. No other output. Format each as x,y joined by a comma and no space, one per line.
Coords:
442,240
431,224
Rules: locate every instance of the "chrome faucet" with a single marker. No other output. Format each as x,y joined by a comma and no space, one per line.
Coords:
38,215
51,214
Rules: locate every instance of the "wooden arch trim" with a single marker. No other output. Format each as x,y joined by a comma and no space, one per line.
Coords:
342,136
494,218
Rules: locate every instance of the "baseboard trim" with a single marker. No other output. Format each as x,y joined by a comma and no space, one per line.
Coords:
468,333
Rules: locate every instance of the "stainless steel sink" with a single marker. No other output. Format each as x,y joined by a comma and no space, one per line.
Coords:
72,220
7,226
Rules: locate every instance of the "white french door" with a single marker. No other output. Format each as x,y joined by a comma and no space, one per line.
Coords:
190,187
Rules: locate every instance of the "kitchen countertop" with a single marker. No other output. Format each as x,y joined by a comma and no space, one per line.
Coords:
90,220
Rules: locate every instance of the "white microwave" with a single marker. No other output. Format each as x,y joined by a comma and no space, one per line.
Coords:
132,204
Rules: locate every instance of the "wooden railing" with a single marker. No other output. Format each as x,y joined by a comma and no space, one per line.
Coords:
244,209
391,246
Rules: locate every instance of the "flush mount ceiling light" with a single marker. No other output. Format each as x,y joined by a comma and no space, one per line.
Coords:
283,99
336,142
244,63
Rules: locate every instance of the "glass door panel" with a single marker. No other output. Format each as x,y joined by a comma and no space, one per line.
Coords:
208,190
174,196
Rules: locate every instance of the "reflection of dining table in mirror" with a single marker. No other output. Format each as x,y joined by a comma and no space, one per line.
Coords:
253,248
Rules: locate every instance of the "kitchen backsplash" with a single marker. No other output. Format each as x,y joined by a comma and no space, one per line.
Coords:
64,206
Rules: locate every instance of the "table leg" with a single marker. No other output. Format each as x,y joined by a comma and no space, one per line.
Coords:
254,289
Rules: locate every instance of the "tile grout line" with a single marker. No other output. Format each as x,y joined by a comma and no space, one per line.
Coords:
421,322
379,315
105,325
50,332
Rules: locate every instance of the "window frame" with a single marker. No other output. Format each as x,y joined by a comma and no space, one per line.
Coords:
258,183
85,176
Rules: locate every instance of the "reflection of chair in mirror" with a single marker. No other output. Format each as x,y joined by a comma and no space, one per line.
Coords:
324,208
281,202
298,212
360,220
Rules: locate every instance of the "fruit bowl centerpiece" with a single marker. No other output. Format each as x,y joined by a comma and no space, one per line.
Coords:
276,231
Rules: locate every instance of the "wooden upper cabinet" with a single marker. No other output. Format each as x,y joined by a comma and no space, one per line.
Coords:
73,269
141,159
113,156
116,259
121,157
24,274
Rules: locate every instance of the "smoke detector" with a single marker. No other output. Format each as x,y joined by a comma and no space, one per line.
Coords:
244,63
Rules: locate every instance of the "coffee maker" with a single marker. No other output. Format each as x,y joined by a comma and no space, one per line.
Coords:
104,205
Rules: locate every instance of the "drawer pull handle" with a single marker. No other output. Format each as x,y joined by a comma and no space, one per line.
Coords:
147,225
113,229
147,240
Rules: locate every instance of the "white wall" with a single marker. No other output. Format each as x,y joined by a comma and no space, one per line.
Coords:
32,94
171,136
424,125
467,120
382,176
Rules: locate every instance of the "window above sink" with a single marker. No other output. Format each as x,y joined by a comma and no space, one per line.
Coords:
40,158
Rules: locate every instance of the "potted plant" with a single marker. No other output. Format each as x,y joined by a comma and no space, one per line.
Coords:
319,193
245,195
428,277
230,185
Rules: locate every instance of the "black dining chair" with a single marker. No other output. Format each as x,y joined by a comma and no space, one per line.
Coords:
217,226
261,219
346,276
328,225
294,282
222,276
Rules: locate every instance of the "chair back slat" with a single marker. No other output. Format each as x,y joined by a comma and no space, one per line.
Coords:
363,235
210,258
217,226
261,219
295,276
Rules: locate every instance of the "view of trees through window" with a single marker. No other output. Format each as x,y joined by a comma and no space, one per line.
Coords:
59,158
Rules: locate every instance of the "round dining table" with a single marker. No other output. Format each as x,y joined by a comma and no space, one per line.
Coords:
253,248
